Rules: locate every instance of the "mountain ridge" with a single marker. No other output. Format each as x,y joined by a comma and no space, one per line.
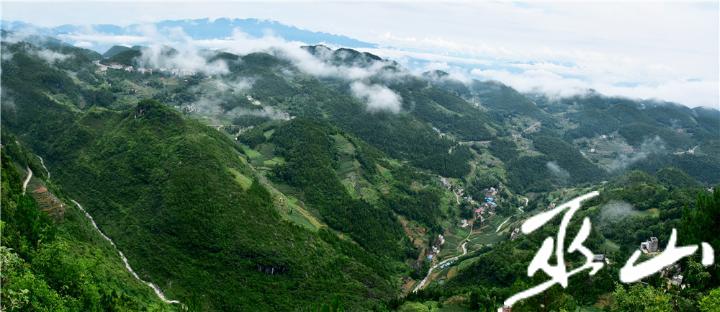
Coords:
198,29
283,185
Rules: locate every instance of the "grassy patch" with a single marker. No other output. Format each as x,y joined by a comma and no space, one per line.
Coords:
300,216
251,153
274,161
241,179
269,133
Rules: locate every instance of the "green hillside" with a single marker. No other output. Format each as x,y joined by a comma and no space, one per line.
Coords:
269,186
58,262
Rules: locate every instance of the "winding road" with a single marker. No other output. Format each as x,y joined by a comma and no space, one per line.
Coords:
501,224
42,162
154,287
421,285
27,180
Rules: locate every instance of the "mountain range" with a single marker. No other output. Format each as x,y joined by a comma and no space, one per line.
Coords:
314,178
198,29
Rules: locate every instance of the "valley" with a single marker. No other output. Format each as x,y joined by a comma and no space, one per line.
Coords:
328,179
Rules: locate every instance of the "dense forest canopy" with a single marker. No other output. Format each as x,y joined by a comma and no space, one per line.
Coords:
332,190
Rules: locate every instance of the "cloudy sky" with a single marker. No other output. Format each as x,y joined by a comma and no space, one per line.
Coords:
663,50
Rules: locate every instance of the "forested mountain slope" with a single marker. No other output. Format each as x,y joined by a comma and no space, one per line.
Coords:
331,177
52,257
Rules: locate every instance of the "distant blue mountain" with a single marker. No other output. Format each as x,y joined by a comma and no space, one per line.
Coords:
202,29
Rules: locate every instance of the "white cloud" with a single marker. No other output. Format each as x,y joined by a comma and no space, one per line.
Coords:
689,92
557,171
84,44
6,55
233,86
377,97
649,146
187,56
534,80
664,50
51,56
241,43
617,210
190,56
215,92
101,38
265,111
569,72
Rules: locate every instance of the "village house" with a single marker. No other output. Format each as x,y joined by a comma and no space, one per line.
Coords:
479,211
447,264
515,233
464,223
650,245
676,280
600,258
440,133
115,66
673,276
491,192
445,182
100,66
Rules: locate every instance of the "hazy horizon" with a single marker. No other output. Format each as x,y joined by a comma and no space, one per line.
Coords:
664,51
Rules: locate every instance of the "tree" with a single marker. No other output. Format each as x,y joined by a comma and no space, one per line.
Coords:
702,223
640,298
413,307
711,302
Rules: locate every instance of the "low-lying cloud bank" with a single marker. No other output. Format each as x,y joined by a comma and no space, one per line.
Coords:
51,56
216,94
553,73
563,55
190,56
46,55
377,97
690,92
173,49
562,74
557,171
654,145
616,210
